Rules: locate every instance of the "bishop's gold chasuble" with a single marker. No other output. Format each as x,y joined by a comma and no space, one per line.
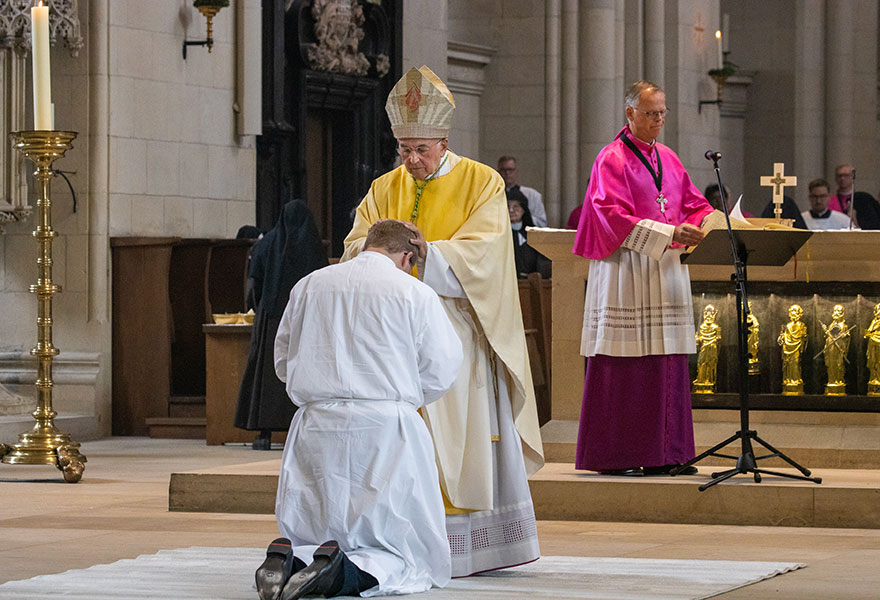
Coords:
464,214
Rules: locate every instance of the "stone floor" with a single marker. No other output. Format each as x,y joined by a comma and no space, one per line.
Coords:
120,510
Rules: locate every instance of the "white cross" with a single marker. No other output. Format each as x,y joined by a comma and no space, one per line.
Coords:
779,181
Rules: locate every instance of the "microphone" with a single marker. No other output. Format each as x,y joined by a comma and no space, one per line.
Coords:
712,155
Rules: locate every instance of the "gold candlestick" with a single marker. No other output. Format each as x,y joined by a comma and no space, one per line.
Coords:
45,444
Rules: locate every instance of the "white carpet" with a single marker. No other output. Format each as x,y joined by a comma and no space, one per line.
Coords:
228,574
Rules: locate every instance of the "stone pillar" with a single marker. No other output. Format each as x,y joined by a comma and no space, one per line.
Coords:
466,81
556,216
572,193
600,106
840,95
425,35
850,100
655,48
634,36
808,100
733,114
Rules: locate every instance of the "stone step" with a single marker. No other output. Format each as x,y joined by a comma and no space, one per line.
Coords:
836,440
178,428
186,406
845,498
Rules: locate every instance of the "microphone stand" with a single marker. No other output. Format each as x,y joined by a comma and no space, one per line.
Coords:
746,462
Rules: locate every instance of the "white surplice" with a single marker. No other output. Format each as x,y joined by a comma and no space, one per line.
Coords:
361,346
638,300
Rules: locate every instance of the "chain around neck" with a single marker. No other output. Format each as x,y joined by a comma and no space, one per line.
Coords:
421,187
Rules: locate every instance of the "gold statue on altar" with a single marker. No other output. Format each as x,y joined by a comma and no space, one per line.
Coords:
707,336
752,341
793,339
873,353
836,347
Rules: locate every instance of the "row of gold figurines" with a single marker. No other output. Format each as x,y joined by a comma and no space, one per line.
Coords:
792,340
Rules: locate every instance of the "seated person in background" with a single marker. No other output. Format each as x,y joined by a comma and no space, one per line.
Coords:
509,172
867,210
361,346
790,210
574,217
820,216
527,259
714,197
840,201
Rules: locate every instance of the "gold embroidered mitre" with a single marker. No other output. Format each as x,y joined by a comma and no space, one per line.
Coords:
420,106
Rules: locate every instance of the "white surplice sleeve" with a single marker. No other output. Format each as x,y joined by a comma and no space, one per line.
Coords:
439,351
439,275
286,328
650,238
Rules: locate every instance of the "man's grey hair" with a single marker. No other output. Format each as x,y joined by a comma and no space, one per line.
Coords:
634,92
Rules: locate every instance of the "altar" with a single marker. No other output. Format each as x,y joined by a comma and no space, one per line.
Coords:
833,267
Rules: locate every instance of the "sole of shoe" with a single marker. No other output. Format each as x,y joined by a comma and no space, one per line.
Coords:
307,580
270,576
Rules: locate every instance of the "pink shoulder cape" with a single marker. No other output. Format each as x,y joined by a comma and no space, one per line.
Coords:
622,192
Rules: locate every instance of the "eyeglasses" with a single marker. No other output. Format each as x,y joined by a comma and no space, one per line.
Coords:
422,151
654,114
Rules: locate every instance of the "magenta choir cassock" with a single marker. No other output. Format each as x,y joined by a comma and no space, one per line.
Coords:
638,314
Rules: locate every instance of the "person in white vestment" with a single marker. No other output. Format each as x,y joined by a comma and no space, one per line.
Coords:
361,346
820,216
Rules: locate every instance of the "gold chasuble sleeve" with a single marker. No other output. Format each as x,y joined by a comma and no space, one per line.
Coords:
464,215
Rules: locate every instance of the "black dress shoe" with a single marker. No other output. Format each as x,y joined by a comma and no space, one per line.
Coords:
634,472
667,470
271,575
324,577
263,441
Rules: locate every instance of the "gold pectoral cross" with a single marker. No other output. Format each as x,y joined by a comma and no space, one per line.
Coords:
661,200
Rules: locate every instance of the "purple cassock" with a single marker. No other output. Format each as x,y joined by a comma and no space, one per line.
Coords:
638,312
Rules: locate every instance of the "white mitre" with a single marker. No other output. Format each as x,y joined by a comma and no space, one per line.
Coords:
420,106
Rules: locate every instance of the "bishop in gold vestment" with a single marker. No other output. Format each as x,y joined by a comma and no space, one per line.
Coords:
485,430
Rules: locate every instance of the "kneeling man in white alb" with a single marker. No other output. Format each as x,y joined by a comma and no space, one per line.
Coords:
361,346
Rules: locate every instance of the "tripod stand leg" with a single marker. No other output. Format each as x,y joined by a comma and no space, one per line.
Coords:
803,470
789,475
722,477
700,457
723,473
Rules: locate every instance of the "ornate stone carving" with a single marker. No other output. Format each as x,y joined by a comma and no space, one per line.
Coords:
15,24
338,29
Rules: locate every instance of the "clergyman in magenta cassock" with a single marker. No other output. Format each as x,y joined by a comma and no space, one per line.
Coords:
640,210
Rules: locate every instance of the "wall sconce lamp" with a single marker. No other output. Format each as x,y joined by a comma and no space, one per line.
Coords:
719,82
720,76
209,8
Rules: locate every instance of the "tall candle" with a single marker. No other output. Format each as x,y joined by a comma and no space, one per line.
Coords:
720,53
42,80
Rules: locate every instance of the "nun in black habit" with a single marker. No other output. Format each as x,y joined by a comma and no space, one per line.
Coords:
287,253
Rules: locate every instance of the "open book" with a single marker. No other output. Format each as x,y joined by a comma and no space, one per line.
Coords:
716,220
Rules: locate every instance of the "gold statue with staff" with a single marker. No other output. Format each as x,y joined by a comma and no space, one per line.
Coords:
873,353
707,336
752,341
836,347
793,339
